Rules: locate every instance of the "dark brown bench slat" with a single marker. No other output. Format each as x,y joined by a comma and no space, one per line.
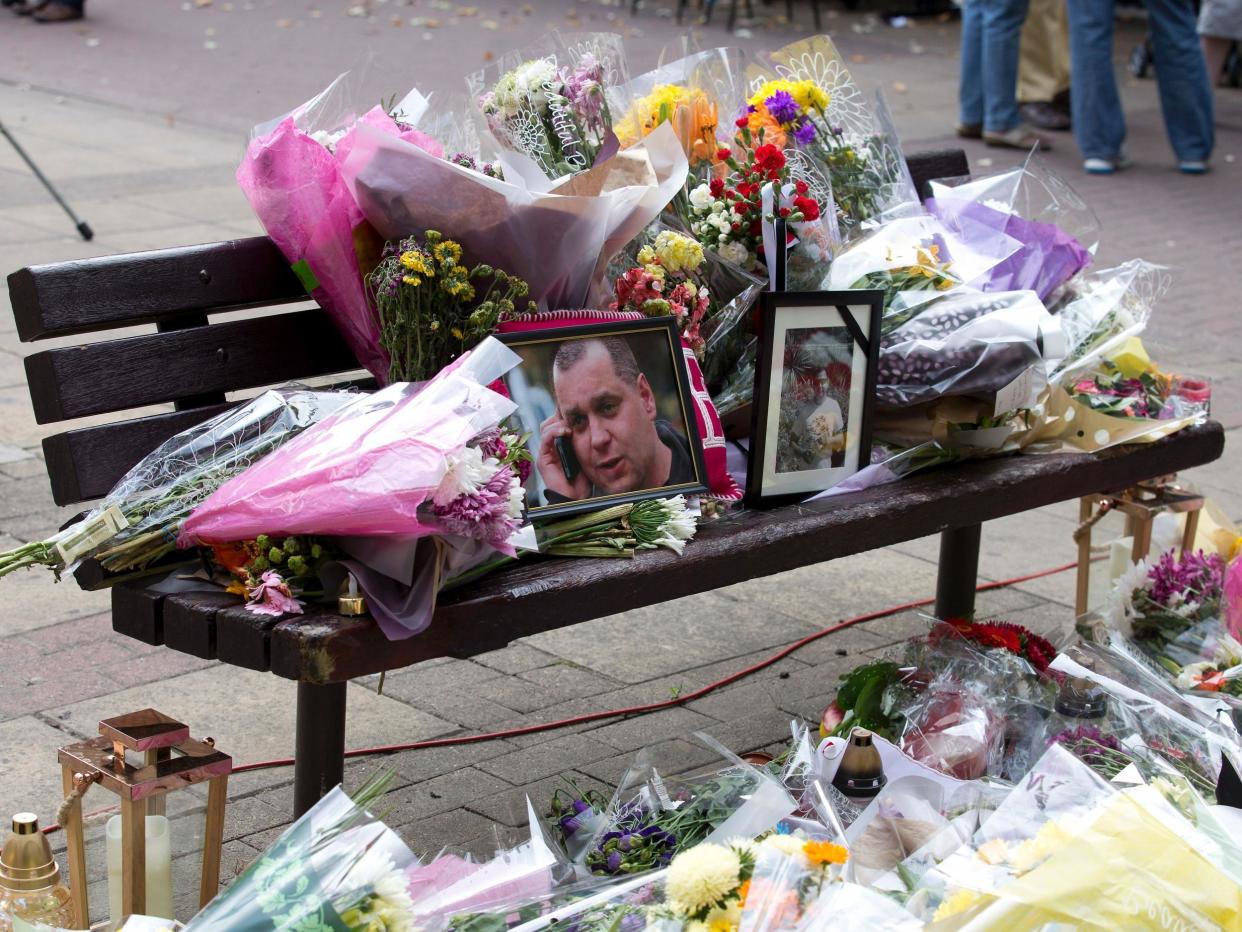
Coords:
137,612
244,638
137,371
190,621
928,166
119,291
542,595
85,463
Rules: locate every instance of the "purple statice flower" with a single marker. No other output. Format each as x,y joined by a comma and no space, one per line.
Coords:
783,107
1196,575
805,134
838,131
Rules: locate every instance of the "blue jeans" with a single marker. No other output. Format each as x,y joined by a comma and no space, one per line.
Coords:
987,93
1185,94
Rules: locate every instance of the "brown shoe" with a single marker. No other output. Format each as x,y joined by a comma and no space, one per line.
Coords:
1020,137
1045,116
968,130
56,12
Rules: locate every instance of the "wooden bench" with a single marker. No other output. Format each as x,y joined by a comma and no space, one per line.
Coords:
192,363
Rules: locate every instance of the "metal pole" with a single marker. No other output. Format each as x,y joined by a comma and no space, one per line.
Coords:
82,225
319,750
958,575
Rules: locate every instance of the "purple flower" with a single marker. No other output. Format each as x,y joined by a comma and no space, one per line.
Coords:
1195,575
805,133
585,89
614,862
482,515
569,825
783,107
632,922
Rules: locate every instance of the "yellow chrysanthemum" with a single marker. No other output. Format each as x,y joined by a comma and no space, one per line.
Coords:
418,262
701,878
956,903
412,280
646,256
806,94
446,252
678,252
825,852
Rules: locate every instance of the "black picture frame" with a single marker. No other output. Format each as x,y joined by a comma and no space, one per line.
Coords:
666,327
859,313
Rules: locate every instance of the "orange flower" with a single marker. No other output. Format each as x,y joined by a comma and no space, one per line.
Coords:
825,852
233,557
772,132
742,892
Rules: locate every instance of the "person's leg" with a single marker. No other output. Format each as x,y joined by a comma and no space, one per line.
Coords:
1002,32
1185,92
1099,125
970,83
1038,68
1215,51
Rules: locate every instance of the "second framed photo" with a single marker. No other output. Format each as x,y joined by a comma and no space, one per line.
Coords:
814,392
608,413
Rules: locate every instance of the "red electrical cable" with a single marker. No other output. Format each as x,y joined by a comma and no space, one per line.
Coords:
651,706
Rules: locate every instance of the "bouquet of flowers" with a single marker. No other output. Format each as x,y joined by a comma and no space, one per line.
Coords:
1149,394
1037,208
1067,848
791,873
690,95
553,107
291,174
727,214
1171,611
805,99
337,867
665,282
652,816
137,522
916,260
433,305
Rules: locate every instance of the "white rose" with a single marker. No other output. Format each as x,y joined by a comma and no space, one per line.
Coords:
735,253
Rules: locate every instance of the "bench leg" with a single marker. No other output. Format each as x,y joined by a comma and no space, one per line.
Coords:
319,755
958,574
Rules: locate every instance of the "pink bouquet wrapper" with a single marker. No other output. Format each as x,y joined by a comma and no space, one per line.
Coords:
366,469
296,188
554,238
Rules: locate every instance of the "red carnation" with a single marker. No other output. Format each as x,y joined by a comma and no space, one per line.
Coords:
716,186
801,187
808,206
741,122
723,154
784,211
769,158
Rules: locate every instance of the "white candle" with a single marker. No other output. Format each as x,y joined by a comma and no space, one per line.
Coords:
1120,553
159,869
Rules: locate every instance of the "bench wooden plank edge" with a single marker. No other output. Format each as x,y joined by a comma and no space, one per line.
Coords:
133,372
322,647
137,612
85,295
190,621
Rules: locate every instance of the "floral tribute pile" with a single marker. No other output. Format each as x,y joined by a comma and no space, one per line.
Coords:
1019,787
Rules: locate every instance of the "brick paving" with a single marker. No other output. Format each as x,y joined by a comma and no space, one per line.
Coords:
144,146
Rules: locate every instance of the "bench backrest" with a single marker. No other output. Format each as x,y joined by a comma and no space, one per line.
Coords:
190,361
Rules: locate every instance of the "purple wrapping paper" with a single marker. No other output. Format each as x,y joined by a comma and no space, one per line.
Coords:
1047,258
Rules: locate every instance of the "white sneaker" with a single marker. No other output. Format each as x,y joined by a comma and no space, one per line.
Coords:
1106,166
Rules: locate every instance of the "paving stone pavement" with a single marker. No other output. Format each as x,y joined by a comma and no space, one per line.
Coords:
149,164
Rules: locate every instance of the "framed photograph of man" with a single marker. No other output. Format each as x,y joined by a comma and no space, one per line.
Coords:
814,391
608,415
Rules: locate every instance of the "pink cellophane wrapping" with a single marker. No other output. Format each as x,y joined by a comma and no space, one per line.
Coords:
1231,602
295,186
366,469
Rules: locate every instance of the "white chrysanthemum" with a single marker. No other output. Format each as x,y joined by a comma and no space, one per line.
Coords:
517,497
1119,609
678,526
701,878
467,472
701,197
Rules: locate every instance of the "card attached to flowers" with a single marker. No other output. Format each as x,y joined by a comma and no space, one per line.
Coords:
814,392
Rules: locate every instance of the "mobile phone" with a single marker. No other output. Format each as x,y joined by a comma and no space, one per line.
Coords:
569,460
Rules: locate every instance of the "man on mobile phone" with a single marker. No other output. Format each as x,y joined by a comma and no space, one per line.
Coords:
605,437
